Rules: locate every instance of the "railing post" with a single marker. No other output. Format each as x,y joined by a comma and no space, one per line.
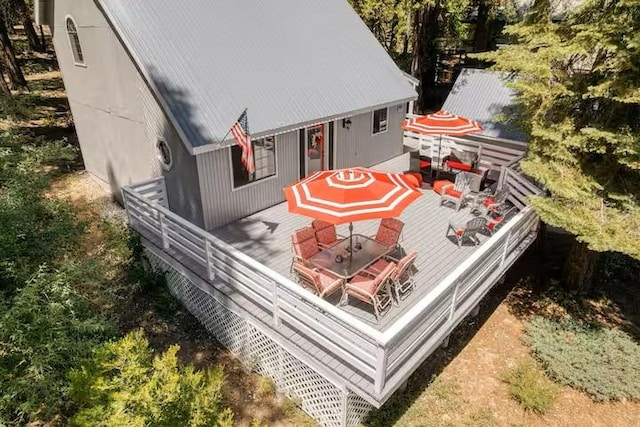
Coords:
163,231
503,173
276,302
381,370
454,298
210,265
506,248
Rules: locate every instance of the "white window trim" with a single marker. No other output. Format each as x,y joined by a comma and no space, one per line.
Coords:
166,167
260,181
71,47
373,118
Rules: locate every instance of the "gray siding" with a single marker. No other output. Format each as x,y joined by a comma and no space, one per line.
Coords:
117,119
356,146
107,112
222,204
183,190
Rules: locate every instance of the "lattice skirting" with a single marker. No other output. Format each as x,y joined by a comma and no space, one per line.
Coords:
329,404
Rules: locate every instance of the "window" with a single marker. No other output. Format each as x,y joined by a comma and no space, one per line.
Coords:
74,41
264,157
380,120
164,154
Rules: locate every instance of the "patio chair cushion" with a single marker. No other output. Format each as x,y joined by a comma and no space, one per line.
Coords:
425,164
494,222
453,193
326,283
437,185
389,231
325,232
364,283
458,165
414,178
305,244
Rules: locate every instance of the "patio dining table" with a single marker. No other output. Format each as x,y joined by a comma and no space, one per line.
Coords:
340,262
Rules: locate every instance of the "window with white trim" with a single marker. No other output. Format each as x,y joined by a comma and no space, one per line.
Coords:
74,41
264,157
380,120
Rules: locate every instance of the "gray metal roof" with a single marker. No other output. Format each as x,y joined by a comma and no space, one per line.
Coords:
481,95
290,62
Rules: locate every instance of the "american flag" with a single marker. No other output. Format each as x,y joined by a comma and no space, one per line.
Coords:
240,131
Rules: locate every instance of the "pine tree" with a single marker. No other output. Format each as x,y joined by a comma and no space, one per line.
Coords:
578,89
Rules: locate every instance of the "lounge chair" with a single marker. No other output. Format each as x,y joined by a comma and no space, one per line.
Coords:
494,222
389,233
372,289
467,230
494,203
402,276
304,244
456,192
320,282
325,233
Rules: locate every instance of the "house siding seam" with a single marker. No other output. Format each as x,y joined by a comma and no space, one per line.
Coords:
221,203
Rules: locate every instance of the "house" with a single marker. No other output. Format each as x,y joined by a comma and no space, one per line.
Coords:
484,96
154,90
155,87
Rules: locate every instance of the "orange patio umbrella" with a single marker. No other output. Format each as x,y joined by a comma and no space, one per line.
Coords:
442,123
348,195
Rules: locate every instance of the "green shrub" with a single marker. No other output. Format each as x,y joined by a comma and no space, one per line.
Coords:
123,384
603,362
529,386
45,330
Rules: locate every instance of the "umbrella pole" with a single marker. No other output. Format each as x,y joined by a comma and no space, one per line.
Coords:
351,237
439,155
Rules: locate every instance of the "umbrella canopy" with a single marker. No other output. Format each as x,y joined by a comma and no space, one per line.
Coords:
442,123
348,195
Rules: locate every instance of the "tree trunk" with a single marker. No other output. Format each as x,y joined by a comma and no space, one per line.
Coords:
481,34
579,268
9,56
425,53
25,18
4,87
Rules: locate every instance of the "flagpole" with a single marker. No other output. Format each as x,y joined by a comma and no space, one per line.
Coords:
229,131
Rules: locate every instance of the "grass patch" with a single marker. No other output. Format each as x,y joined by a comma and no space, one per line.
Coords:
529,387
603,362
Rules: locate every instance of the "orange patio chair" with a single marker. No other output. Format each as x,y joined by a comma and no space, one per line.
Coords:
372,289
325,233
389,232
402,276
304,244
320,282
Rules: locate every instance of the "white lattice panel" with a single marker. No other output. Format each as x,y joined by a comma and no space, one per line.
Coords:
311,391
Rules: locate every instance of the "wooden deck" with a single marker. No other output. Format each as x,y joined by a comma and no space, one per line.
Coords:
266,237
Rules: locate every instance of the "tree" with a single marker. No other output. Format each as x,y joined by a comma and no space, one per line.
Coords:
578,89
24,16
434,21
4,87
7,54
124,385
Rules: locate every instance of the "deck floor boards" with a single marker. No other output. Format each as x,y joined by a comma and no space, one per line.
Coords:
266,237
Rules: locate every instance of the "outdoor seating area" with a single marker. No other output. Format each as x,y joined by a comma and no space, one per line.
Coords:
362,267
424,255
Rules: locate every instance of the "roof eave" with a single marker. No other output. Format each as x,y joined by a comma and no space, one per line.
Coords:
284,129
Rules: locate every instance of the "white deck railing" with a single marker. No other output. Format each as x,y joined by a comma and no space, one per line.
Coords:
385,358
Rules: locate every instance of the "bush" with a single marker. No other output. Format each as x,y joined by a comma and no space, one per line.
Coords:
603,362
45,330
529,386
123,384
